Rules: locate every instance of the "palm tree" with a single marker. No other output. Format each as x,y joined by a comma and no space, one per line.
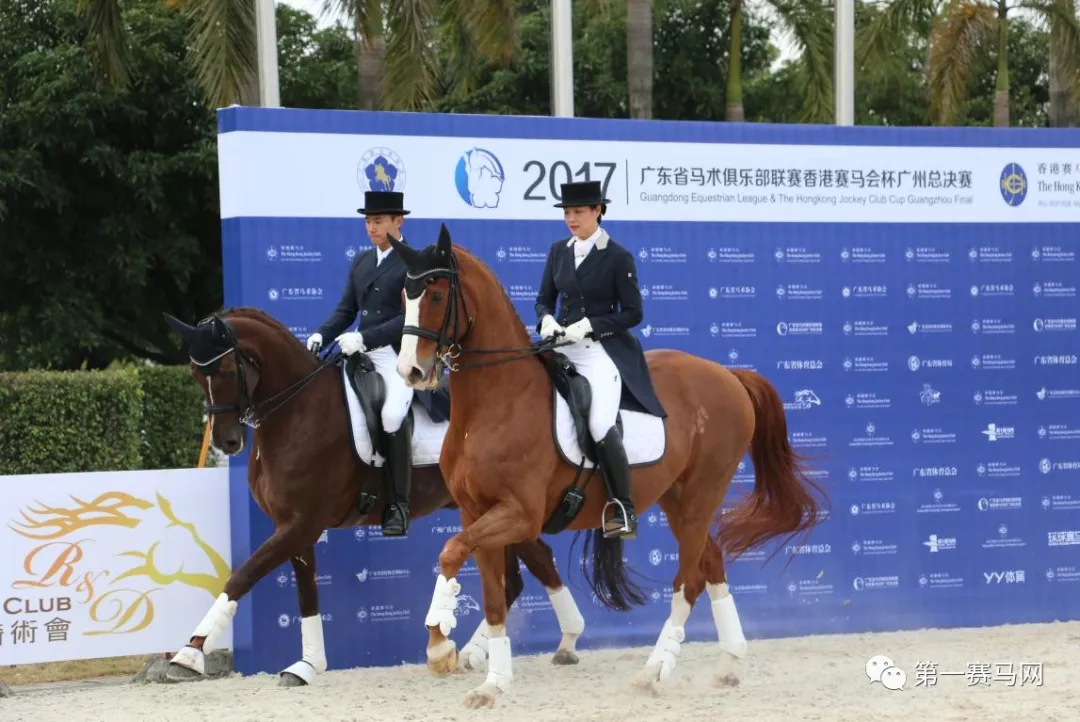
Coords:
967,26
639,57
399,41
810,23
397,45
222,39
960,31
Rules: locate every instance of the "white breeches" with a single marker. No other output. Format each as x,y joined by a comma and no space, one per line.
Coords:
593,362
398,394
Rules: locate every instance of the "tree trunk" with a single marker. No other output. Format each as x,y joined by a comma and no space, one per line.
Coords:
1062,102
639,57
733,105
370,52
1001,92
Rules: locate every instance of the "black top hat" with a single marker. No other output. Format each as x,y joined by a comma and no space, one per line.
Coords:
378,203
582,193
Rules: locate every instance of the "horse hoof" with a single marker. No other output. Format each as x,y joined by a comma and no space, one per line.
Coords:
564,657
646,685
483,696
726,679
177,673
288,679
442,666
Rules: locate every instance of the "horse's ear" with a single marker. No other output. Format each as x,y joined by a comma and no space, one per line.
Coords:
444,245
408,253
185,331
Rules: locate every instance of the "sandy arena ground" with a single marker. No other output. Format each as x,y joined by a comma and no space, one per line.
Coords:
809,678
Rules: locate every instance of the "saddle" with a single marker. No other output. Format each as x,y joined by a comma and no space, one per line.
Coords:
575,389
371,392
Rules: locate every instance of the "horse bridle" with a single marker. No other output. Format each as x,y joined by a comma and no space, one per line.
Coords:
447,346
247,410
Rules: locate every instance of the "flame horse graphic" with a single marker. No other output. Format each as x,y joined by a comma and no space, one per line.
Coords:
122,609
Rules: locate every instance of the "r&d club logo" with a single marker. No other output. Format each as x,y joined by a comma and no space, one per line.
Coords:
381,169
1014,184
479,178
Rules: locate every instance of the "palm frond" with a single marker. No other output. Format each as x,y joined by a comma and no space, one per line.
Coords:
222,38
107,39
463,64
887,31
811,26
411,72
493,25
366,16
1059,17
964,28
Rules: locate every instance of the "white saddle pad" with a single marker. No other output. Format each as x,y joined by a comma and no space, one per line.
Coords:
427,437
643,435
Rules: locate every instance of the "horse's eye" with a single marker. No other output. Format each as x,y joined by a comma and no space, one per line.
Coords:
436,297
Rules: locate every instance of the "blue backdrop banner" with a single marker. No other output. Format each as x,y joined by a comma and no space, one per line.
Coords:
910,292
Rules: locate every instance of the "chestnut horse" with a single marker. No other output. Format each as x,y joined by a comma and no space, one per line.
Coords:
305,475
508,479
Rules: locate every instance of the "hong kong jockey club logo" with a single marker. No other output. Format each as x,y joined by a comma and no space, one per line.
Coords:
381,169
1014,184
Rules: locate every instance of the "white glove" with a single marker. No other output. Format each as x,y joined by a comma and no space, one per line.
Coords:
548,326
314,342
576,332
351,342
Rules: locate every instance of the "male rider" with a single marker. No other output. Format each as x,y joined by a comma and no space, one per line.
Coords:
375,282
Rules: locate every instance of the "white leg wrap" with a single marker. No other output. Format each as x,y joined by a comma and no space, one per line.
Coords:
499,673
443,603
566,611
311,642
190,658
666,652
728,627
215,622
475,652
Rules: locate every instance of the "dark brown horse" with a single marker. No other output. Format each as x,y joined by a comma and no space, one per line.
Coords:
305,476
508,479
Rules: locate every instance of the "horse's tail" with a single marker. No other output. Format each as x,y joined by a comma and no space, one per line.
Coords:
782,501
608,576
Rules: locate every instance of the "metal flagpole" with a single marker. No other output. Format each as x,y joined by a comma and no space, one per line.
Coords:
266,49
844,64
562,60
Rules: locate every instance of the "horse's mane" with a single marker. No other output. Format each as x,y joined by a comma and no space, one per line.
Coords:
489,275
258,315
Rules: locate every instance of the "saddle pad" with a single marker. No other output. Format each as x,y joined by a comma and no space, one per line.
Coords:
427,437
643,435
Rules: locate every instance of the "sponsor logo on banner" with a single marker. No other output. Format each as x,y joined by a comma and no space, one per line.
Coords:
994,397
936,544
993,327
919,327
997,469
874,548
867,400
1049,394
1048,466
1003,539
381,169
479,178
1058,432
804,399
110,564
989,254
938,504
927,254
1051,325
940,580
865,328
729,255
1052,254
865,364
1010,576
993,432
999,503
869,584
862,255
292,253
1063,538
1014,184
661,254
1053,289
796,254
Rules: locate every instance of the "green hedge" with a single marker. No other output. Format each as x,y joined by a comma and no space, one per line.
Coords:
147,417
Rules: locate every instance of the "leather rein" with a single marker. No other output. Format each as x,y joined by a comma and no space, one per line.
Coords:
448,346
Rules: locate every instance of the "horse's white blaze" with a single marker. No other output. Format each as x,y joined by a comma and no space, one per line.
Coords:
407,356
571,623
665,654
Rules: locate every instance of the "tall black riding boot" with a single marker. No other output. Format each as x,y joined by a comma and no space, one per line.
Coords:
399,470
615,469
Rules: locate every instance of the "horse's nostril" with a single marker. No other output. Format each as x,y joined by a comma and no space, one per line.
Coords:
415,375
